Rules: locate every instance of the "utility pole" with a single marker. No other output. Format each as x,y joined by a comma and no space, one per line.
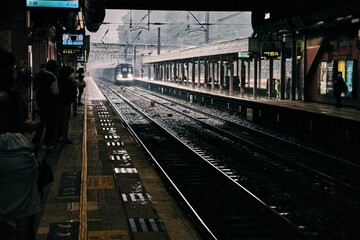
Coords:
158,49
207,14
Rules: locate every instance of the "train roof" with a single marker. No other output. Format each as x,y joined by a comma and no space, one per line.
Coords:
107,65
128,64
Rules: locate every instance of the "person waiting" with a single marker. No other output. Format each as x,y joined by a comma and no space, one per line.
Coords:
81,84
66,91
47,100
19,197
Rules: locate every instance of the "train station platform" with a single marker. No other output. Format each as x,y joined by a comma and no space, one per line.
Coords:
345,112
104,187
313,122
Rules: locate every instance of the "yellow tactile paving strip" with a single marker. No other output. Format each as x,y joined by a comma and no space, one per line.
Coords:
107,217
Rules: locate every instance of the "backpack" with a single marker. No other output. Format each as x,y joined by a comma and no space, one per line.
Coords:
340,86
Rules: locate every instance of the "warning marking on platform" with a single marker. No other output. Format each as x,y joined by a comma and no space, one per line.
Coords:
107,124
103,112
114,144
119,154
125,170
91,206
136,197
70,185
105,120
112,137
101,182
108,234
123,159
110,129
64,230
120,157
146,225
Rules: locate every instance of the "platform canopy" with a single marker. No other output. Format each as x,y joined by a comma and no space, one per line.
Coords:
236,46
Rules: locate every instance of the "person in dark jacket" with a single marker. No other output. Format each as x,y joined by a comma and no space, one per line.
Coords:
19,198
339,87
81,84
67,88
74,94
47,100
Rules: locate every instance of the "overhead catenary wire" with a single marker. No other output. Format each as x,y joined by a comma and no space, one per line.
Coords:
104,35
195,23
215,22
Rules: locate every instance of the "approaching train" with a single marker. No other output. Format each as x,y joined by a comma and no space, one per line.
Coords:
119,73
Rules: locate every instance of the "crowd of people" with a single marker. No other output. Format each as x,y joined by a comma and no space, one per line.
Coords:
57,93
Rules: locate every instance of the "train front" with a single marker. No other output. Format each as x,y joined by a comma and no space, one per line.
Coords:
124,74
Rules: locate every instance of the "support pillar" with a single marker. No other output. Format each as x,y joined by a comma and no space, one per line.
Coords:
282,70
255,75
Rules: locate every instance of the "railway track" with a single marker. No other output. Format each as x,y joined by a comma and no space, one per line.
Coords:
340,173
315,191
220,207
303,193
319,207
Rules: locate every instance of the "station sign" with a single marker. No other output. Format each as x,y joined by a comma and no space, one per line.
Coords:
270,53
80,59
72,51
72,39
245,55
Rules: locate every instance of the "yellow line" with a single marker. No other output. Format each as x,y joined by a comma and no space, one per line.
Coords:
83,193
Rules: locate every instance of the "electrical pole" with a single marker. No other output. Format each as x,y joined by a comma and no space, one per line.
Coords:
207,14
158,49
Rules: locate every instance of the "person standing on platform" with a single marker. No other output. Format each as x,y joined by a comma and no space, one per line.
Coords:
81,85
19,197
47,99
339,87
74,94
66,91
41,124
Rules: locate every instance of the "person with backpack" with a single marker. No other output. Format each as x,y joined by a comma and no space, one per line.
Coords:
19,197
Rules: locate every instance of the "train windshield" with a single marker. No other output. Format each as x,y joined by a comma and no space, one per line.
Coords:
125,69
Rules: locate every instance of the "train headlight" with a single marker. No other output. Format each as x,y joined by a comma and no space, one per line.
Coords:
119,75
130,75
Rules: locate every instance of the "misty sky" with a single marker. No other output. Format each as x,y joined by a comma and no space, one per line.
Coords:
108,31
111,22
